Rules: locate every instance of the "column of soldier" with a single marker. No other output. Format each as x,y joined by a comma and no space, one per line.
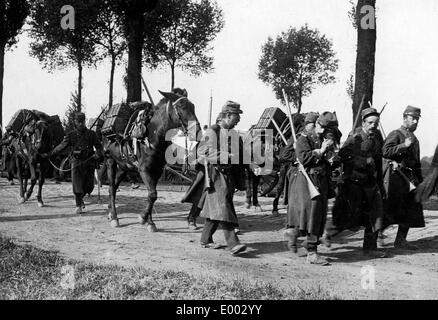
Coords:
376,190
378,176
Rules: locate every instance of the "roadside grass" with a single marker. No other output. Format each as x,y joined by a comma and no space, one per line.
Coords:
28,273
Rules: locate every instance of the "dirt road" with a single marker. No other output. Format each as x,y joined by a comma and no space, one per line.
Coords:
89,237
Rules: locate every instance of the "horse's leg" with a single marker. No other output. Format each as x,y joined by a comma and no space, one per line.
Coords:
44,168
112,213
20,178
279,190
255,199
248,184
33,180
151,186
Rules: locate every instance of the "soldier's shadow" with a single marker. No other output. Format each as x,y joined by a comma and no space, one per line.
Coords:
348,254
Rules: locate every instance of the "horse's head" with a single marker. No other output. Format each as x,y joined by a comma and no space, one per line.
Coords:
181,113
39,134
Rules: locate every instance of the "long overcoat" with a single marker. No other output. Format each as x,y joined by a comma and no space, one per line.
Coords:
400,205
308,215
82,142
222,177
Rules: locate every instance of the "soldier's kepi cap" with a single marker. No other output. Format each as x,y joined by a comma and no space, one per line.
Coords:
328,119
412,111
311,117
368,112
80,117
231,107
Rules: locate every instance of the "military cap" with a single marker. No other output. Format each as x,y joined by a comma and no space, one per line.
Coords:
80,117
311,117
231,107
368,112
412,111
328,119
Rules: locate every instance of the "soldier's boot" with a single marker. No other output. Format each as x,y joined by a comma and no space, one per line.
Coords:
370,246
400,240
381,239
192,224
326,240
314,258
291,235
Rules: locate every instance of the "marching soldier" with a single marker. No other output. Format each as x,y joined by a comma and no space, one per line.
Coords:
286,158
402,173
359,202
83,158
218,207
307,213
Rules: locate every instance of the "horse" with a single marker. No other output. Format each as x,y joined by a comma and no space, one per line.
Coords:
172,112
33,140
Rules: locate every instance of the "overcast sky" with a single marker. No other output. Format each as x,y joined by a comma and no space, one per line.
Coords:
406,66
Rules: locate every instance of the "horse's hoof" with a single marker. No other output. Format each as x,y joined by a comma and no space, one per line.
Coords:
151,227
21,200
40,204
193,226
141,220
247,206
258,208
115,223
275,213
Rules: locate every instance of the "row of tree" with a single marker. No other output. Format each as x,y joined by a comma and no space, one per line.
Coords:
173,33
177,33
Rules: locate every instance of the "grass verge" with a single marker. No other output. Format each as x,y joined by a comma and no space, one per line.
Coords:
30,273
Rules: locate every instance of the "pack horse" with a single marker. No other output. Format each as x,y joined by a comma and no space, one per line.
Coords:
174,111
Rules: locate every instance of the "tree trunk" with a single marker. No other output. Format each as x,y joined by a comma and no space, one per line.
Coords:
172,70
2,69
111,82
135,21
80,86
365,59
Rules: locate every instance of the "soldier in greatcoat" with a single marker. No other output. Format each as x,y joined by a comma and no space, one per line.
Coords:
83,158
359,201
402,173
307,214
224,174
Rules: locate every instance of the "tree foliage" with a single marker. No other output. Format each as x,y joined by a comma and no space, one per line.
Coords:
179,35
13,14
57,48
297,61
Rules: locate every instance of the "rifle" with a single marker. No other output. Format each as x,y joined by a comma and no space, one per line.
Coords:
358,113
147,90
98,117
313,192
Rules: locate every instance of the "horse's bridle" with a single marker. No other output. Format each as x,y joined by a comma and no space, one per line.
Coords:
184,127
